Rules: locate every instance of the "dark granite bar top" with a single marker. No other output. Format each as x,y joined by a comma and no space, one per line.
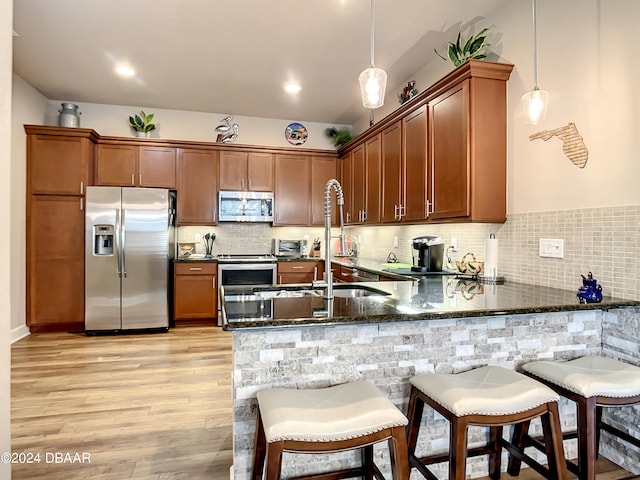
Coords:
431,297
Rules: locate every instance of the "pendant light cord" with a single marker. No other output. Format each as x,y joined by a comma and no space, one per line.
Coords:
372,33
535,46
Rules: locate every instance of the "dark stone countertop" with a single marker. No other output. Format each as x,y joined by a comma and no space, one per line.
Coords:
196,257
431,297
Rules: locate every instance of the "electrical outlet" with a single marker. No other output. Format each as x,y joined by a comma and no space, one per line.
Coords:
551,248
395,242
454,243
198,237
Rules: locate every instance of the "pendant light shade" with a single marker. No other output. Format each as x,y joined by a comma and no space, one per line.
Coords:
373,80
535,102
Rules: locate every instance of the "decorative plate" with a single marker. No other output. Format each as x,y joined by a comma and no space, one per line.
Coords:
296,133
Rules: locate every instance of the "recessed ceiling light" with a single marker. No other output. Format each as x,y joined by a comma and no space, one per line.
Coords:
292,88
125,71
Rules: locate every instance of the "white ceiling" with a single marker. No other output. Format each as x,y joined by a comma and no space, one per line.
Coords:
231,56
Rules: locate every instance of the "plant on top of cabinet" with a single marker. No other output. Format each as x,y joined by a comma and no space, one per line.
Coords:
141,124
340,136
473,48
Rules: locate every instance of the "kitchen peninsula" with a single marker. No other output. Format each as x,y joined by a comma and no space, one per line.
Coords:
387,332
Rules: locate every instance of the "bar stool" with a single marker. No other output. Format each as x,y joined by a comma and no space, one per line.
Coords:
343,417
593,383
489,396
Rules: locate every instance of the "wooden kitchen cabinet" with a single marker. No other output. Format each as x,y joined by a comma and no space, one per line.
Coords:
373,182
358,186
292,196
127,165
299,272
392,174
323,169
451,140
467,139
246,171
55,262
60,165
195,291
346,181
197,186
61,160
415,158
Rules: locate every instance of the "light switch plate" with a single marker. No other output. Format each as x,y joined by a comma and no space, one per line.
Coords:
551,248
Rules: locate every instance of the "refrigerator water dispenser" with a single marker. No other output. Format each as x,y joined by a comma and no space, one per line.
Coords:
103,239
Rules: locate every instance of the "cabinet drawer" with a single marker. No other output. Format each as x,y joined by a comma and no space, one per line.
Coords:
196,268
297,267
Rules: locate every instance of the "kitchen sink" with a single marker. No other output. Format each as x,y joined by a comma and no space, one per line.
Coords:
340,290
349,291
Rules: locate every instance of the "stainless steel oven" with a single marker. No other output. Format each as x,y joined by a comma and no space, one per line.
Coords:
246,270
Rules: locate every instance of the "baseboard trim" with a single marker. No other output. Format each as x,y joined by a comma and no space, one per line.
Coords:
19,333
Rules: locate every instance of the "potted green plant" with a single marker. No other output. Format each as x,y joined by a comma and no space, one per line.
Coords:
141,124
340,136
472,48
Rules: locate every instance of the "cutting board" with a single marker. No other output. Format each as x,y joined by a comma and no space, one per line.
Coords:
393,266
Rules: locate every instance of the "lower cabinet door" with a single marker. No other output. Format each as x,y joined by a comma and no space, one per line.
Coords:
195,296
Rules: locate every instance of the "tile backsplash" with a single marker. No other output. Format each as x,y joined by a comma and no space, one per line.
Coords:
605,241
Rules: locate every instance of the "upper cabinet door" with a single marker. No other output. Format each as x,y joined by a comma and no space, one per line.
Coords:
448,140
414,148
259,172
373,184
391,191
293,184
197,186
116,165
157,167
233,170
358,177
246,171
59,165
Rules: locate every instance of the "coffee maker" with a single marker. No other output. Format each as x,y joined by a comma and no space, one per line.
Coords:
428,254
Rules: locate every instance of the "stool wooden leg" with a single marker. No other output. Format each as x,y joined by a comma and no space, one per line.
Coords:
586,438
520,431
274,460
553,443
416,407
458,448
599,411
495,457
367,461
398,454
259,448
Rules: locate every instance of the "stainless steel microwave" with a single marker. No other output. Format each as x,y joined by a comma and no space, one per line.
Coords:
290,248
245,206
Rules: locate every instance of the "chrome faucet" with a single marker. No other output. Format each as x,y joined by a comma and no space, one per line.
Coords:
328,274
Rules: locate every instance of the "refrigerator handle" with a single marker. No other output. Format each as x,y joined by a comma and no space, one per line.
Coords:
117,241
123,244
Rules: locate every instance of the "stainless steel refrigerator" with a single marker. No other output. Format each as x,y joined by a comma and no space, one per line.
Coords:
128,248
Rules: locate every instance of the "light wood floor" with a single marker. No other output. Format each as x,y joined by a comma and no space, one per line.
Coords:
144,407
151,406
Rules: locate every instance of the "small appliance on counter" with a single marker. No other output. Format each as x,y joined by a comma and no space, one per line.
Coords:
290,248
428,254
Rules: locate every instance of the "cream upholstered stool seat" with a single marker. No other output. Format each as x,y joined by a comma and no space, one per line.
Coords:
592,382
343,417
489,396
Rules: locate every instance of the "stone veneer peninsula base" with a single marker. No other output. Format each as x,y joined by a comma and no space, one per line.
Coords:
389,353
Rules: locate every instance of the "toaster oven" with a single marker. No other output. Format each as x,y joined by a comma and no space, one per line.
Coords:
290,248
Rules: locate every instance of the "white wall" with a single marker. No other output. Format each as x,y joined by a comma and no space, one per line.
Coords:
585,61
28,107
6,30
195,126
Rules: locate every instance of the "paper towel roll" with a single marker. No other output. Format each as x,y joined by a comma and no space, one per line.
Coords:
491,257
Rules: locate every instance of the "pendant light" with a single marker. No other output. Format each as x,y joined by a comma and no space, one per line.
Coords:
373,81
535,102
